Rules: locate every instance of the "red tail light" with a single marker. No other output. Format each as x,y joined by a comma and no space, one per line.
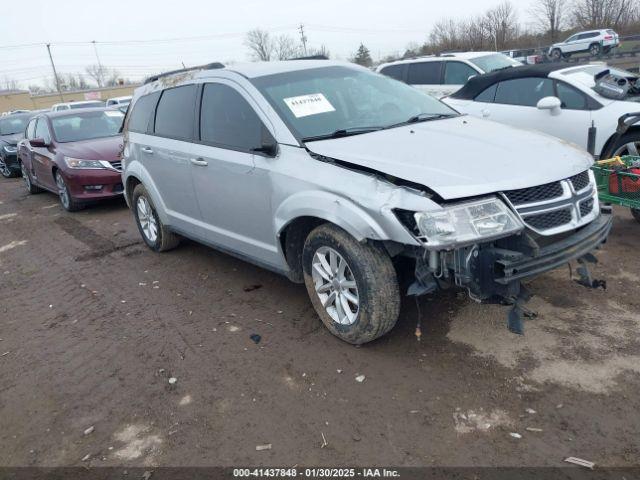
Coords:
608,37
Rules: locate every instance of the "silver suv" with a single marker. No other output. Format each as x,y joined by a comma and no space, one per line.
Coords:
355,184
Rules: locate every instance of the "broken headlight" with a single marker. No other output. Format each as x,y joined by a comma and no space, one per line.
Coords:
467,223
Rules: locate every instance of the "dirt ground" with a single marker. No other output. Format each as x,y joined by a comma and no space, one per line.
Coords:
93,325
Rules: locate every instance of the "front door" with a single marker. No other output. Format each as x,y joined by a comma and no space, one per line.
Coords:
41,157
234,196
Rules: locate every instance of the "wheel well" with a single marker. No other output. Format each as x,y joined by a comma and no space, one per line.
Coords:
132,182
609,143
292,240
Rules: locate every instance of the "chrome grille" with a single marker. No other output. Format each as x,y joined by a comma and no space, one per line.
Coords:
556,207
540,193
548,220
586,207
580,181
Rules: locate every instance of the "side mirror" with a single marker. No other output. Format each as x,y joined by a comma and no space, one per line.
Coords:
38,143
553,104
268,145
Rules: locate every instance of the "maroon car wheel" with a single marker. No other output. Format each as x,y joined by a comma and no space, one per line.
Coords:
67,201
31,188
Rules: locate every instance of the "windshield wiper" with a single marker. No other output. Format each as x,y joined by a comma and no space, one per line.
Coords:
342,132
424,117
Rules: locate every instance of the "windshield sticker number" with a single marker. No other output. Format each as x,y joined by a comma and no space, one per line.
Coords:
306,105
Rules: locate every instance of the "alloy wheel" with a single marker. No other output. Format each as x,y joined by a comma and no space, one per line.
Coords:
4,168
335,286
63,191
594,50
25,176
147,219
631,148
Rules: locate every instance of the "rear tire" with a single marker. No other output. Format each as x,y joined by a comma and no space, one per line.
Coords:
606,50
28,181
154,233
595,50
358,276
556,54
636,214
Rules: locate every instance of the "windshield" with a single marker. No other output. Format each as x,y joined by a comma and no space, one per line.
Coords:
13,124
86,105
495,61
86,126
321,101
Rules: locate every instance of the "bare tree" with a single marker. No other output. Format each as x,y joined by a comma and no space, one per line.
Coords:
286,47
502,24
445,34
98,73
604,13
10,84
260,44
549,16
321,51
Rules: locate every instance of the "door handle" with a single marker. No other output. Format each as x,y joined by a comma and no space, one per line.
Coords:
147,149
199,162
486,113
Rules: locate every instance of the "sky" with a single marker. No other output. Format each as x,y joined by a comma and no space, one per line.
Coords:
141,37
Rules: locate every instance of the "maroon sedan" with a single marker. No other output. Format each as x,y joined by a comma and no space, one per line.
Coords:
75,154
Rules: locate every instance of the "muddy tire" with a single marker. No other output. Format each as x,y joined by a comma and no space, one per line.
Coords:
636,214
595,50
353,286
154,233
5,171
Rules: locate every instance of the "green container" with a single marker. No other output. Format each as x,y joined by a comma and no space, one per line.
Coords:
618,187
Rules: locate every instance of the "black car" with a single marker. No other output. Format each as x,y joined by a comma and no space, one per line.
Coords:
12,129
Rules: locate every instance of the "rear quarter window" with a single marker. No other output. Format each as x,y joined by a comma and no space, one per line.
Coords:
424,73
394,71
142,113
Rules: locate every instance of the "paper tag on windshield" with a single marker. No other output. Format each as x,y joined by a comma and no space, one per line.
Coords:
113,113
306,105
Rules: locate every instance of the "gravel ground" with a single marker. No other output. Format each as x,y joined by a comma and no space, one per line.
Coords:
93,326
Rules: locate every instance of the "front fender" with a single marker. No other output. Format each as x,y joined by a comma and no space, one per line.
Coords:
332,208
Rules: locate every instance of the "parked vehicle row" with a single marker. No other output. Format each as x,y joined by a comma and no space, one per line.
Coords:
359,186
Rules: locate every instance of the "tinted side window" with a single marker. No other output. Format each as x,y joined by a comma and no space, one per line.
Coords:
457,73
424,73
227,119
524,91
571,98
142,112
488,95
42,130
394,71
175,114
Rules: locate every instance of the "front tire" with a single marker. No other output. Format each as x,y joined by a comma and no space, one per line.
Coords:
5,171
556,54
352,286
156,235
627,144
66,199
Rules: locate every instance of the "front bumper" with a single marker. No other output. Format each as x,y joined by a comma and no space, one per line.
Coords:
514,266
11,161
80,184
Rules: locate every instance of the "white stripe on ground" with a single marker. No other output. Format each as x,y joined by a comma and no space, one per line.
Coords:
12,245
7,216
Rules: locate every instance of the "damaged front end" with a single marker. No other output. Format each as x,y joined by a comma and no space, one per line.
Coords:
500,244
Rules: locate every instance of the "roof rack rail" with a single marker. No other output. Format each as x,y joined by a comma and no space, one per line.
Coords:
209,66
311,57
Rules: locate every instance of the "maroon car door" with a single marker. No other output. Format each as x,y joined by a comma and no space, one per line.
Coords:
41,157
25,148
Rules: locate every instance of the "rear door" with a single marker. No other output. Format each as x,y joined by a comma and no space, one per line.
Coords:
25,150
232,181
165,152
456,75
42,157
427,77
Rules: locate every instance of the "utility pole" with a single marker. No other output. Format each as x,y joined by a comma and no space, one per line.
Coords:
55,74
100,69
303,39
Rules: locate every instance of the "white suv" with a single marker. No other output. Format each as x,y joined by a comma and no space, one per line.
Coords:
445,74
593,41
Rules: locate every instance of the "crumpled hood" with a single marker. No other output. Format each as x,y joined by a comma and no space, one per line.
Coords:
461,157
108,149
12,139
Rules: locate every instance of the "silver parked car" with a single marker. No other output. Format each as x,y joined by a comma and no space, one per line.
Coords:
355,184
